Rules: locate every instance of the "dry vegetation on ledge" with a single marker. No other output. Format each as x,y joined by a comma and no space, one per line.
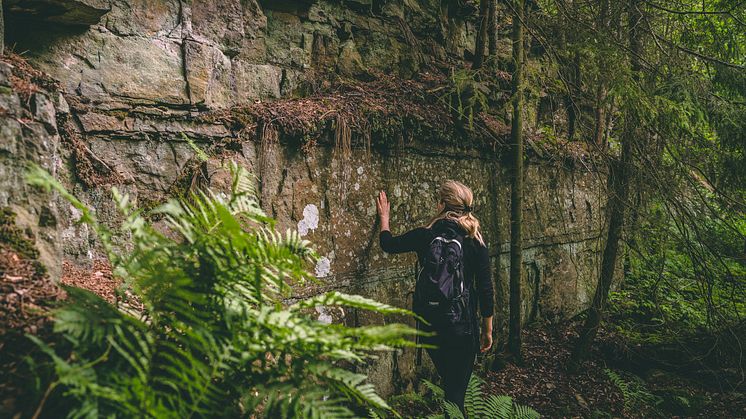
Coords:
385,108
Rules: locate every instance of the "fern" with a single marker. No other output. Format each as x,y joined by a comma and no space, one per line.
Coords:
436,391
474,397
215,338
502,406
478,405
635,394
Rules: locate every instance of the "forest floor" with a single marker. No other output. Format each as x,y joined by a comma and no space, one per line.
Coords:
543,383
98,278
595,392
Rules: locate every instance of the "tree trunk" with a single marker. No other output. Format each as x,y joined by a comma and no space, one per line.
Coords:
600,126
619,176
2,29
618,186
570,72
516,190
481,42
577,93
492,27
495,361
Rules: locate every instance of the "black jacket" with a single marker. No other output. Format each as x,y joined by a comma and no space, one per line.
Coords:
476,260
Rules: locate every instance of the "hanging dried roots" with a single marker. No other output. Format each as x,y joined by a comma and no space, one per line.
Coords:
342,138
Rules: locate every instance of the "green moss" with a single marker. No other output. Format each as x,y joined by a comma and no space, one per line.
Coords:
15,239
12,236
119,114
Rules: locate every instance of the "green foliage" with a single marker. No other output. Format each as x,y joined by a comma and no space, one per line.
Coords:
479,405
437,392
676,289
215,337
198,152
637,398
466,96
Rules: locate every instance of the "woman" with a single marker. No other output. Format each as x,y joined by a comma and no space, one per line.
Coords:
453,357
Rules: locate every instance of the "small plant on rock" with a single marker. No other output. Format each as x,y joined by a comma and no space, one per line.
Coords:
466,96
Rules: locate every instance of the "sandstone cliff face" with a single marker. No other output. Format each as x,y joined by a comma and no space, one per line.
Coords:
135,76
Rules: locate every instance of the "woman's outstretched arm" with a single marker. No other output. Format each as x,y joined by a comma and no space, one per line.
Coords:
407,242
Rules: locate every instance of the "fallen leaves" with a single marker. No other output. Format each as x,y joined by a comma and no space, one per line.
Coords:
544,384
98,279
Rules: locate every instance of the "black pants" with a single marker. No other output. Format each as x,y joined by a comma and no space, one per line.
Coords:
454,360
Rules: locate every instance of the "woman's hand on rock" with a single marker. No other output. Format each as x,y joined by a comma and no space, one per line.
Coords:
383,206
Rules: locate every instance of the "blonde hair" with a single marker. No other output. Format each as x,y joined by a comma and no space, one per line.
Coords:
458,201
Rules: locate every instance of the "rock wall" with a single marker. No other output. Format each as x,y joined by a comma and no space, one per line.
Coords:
182,54
137,75
29,134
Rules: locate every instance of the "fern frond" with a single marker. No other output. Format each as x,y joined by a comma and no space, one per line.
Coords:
372,414
437,391
474,402
525,412
634,392
478,405
336,298
499,407
452,411
351,383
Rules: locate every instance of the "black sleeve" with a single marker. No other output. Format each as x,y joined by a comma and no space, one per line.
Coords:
483,276
407,242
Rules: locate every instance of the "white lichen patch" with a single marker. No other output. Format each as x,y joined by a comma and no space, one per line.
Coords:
75,214
310,220
356,186
323,267
360,170
324,316
425,188
371,210
397,191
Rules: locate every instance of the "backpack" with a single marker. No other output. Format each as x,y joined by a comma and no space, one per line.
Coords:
441,296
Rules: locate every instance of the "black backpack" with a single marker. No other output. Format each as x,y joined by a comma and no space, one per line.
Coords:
441,294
